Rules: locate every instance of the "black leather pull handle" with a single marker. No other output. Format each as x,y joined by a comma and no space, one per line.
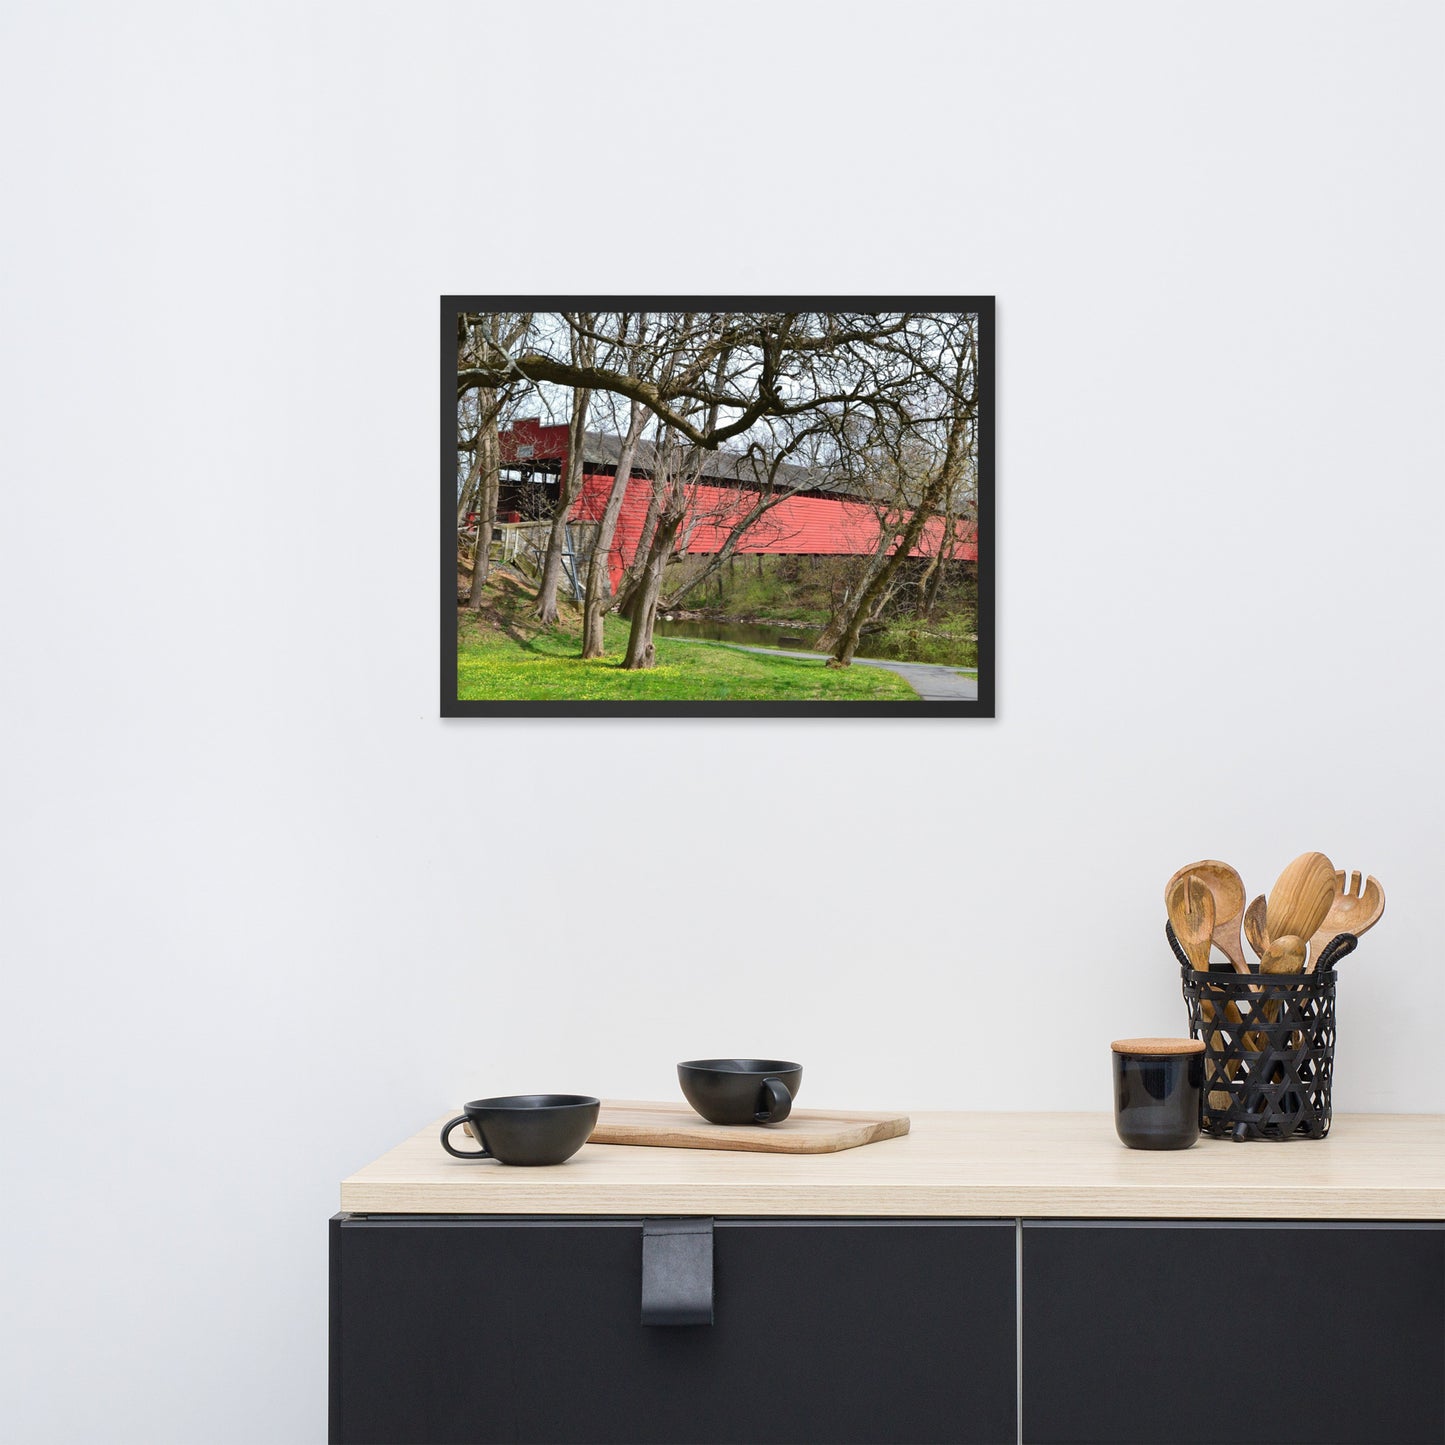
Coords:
677,1272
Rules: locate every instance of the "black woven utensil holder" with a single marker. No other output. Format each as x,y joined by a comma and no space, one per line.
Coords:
1269,1047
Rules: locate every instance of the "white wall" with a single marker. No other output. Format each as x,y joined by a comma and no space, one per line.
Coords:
259,922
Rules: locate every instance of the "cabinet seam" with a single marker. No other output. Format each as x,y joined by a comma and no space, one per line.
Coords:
1019,1331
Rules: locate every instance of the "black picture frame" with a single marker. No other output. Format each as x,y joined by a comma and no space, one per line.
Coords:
982,707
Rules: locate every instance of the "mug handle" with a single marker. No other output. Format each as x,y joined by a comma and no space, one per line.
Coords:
447,1143
779,1102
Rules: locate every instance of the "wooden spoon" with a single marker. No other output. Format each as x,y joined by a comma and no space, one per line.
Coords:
1353,909
1300,898
1228,890
1255,928
1191,910
1284,955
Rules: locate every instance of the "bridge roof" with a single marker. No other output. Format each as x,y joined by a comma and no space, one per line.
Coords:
529,441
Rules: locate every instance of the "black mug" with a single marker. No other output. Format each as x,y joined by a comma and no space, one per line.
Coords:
526,1128
1158,1088
741,1091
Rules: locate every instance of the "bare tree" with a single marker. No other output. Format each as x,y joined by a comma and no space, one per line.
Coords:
957,511
896,466
632,347
487,469
584,350
679,467
785,463
598,597
483,336
955,371
773,364
468,465
811,373
674,469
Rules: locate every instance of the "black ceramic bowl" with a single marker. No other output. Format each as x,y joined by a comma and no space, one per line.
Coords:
741,1091
526,1128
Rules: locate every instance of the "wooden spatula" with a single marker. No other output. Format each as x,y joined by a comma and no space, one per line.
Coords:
1191,914
1191,911
1255,929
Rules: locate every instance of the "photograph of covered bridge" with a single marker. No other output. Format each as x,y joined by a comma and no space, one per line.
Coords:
692,507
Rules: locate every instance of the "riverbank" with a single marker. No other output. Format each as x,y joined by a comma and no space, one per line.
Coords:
786,602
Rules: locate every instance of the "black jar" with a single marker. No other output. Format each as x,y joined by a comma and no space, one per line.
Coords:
1158,1084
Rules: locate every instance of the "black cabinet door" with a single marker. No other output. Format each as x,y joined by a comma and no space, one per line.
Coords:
1328,1334
475,1330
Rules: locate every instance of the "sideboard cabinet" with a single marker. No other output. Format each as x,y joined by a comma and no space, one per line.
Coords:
653,1295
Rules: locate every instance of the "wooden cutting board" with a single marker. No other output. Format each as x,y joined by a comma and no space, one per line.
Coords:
804,1131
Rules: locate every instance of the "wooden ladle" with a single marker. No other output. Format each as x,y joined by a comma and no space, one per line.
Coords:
1353,909
1228,891
1300,898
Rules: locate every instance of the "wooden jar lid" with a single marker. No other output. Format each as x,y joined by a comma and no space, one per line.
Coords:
1158,1048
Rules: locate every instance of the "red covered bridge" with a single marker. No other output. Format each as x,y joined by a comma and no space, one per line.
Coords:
811,521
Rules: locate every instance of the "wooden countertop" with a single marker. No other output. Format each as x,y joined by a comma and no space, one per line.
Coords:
1372,1166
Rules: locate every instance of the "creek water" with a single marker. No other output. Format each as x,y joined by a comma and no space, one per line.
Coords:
799,636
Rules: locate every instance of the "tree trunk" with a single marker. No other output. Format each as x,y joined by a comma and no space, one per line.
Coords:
570,484
469,487
599,580
640,651
830,636
489,475
928,583
871,595
932,579
674,505
546,609
935,582
487,515
464,505
627,588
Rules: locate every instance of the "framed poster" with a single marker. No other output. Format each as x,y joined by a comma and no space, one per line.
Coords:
668,506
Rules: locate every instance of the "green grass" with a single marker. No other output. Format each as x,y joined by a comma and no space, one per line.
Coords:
503,654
